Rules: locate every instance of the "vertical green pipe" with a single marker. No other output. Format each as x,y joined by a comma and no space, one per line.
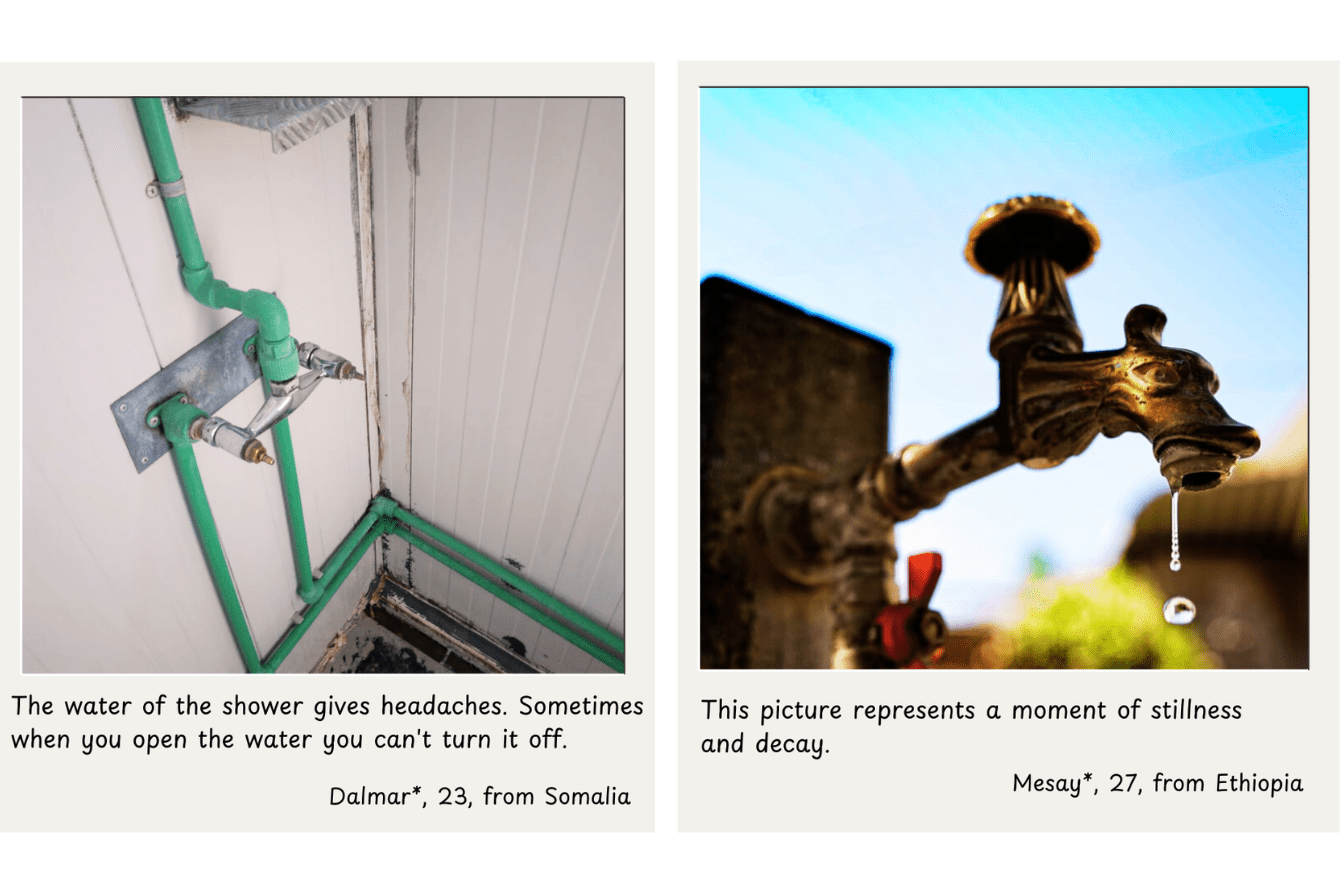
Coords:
329,585
154,125
288,478
297,525
590,627
198,503
613,662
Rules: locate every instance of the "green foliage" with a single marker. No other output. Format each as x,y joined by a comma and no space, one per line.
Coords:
1113,622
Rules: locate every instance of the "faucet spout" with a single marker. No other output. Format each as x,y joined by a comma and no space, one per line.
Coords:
283,398
1191,468
1062,401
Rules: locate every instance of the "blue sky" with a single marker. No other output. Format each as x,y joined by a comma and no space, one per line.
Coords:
856,203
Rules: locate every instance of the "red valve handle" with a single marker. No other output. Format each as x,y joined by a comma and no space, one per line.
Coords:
894,621
923,572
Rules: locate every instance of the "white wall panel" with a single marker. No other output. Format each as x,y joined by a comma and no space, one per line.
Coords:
513,316
114,580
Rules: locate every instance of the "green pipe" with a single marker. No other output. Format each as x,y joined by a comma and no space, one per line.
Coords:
153,123
355,556
590,627
372,527
288,479
336,561
614,663
276,350
176,419
297,526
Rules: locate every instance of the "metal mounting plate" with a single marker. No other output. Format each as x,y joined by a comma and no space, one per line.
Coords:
210,374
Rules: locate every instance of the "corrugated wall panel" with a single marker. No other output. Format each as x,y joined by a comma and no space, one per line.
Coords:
517,328
454,167
592,564
113,576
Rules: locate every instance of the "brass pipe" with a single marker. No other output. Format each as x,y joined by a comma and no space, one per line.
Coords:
920,476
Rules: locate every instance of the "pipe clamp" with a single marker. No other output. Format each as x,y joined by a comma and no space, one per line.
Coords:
174,189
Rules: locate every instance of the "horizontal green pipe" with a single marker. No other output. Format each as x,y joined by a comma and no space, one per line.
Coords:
588,626
614,663
330,584
176,417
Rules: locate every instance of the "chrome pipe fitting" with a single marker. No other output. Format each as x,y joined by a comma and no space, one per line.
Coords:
231,439
330,365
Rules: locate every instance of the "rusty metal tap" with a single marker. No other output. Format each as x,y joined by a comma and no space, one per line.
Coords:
1054,400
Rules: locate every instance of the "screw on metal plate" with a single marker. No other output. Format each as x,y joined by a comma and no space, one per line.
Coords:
152,189
122,408
144,460
153,422
181,399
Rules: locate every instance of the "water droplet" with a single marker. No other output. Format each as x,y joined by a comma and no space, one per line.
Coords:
1176,563
1179,610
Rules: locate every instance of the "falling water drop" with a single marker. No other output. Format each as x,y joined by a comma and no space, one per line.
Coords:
1176,563
1179,610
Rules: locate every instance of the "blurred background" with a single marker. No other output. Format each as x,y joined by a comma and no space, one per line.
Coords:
855,204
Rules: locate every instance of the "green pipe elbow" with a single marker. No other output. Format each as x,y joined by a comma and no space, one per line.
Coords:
275,348
383,507
211,292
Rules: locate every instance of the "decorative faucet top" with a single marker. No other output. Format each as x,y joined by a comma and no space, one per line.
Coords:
1031,224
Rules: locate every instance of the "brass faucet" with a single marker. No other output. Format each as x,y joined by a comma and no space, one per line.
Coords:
1054,400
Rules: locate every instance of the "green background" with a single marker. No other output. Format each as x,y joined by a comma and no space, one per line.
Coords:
665,32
